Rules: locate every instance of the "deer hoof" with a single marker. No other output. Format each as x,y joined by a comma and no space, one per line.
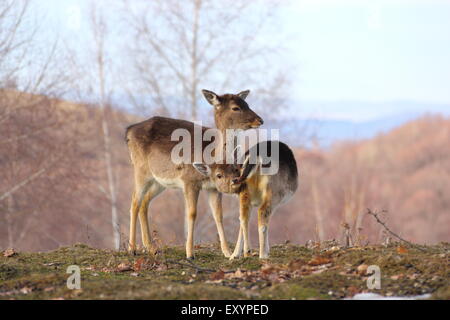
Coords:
234,256
132,250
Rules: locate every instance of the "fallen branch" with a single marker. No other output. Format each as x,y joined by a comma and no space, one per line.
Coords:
375,215
190,265
194,266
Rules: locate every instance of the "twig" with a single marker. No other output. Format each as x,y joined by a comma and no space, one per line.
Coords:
190,265
346,235
194,266
375,215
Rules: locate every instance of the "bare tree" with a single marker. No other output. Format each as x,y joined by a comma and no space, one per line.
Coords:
29,73
180,47
99,32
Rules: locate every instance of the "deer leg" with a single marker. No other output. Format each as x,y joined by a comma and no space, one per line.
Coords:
215,202
245,232
263,227
151,190
133,217
239,246
191,197
244,216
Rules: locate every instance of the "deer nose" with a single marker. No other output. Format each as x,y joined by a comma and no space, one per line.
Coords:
235,181
257,122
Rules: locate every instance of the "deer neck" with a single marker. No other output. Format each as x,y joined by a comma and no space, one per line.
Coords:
227,142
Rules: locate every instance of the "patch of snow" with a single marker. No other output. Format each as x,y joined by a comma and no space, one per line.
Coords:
374,296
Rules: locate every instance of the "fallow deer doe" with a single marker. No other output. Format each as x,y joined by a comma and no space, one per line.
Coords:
150,146
265,191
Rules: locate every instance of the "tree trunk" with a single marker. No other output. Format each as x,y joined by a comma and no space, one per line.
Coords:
194,60
99,30
317,211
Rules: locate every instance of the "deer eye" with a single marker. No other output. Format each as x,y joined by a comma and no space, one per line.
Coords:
236,109
219,176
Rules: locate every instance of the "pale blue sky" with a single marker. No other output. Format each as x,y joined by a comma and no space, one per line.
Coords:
344,50
372,50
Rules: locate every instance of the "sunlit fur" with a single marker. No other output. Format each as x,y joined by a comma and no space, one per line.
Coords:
267,192
150,145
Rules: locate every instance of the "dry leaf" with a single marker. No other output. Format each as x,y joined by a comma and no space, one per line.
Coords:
413,276
138,264
334,248
52,264
124,267
76,293
214,281
162,267
267,269
273,277
362,269
26,290
296,264
397,276
317,261
237,274
401,250
9,252
320,270
219,275
352,290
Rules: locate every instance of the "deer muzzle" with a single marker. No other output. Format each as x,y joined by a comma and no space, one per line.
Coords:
257,123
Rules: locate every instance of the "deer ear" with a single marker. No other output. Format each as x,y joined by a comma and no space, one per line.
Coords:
204,169
243,94
248,168
211,97
237,155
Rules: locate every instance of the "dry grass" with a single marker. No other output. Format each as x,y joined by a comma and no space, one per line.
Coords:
293,272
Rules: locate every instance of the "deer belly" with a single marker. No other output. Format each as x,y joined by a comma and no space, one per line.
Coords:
170,182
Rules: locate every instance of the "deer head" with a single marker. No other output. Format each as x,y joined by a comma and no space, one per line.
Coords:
232,112
228,178
225,177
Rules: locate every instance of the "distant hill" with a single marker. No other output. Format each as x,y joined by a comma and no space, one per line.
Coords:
405,171
331,122
328,131
327,121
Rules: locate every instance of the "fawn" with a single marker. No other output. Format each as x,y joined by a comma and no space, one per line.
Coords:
150,146
256,189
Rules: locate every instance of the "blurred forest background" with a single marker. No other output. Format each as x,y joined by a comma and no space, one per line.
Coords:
65,102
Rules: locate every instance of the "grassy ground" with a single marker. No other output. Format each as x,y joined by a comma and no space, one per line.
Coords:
293,272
